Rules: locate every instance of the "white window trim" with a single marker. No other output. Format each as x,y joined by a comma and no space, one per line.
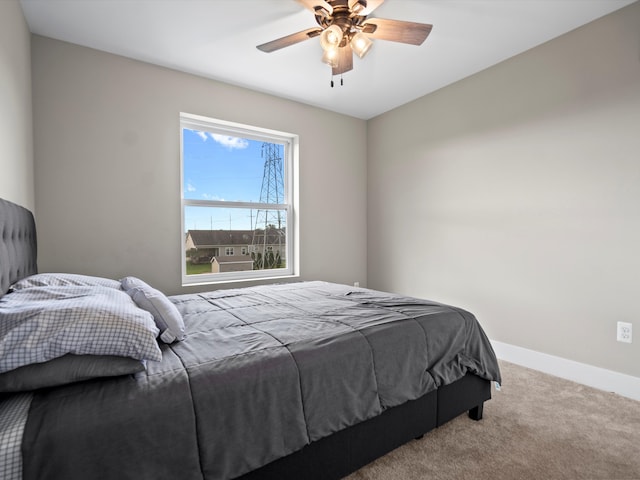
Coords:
291,145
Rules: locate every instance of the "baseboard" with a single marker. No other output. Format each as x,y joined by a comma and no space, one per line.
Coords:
600,378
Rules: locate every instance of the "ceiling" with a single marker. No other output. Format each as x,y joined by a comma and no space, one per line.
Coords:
217,39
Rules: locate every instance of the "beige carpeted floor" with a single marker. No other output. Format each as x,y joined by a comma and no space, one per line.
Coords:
536,427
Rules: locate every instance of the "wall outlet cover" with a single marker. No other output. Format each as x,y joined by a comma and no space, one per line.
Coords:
624,332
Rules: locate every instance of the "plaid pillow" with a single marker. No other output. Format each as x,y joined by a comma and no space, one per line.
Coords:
63,279
168,318
38,324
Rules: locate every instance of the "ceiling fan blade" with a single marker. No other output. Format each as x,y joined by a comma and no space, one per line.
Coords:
315,4
397,30
371,6
289,40
345,60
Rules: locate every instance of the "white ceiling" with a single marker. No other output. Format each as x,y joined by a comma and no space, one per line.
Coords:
217,39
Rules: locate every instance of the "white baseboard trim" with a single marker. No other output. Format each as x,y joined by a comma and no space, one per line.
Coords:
596,377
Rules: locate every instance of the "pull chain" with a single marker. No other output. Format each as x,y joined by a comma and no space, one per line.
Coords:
341,81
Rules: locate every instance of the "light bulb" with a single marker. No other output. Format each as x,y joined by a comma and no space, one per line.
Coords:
330,56
361,44
331,37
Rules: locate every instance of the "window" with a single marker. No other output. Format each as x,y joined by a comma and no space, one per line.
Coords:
238,195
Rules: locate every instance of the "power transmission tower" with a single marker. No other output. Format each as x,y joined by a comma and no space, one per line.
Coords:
269,230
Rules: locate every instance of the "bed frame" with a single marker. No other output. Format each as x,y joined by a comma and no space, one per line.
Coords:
332,457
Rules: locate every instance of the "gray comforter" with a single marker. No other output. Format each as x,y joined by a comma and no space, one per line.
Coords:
262,372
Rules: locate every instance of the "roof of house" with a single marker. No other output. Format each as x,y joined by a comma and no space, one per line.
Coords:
232,259
216,238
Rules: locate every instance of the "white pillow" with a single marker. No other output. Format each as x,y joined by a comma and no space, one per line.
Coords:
62,280
39,324
165,313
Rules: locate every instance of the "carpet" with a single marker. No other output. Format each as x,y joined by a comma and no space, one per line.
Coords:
536,427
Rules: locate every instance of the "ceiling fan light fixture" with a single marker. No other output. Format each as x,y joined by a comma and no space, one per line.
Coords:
358,7
344,27
331,37
330,56
361,44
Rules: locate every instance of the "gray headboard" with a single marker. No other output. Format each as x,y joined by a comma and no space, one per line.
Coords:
18,252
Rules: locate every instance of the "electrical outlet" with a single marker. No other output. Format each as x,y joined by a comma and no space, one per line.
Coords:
624,332
356,284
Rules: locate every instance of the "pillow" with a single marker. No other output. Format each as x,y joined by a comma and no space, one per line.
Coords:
63,279
165,313
38,324
67,369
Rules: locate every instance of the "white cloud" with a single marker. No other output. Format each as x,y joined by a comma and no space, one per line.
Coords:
202,135
225,140
207,196
190,188
230,142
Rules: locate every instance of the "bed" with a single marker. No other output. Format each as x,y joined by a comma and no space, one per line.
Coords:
104,378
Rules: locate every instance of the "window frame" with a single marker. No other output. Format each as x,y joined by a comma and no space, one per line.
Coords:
289,207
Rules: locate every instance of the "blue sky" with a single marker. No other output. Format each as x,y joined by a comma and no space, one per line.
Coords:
221,167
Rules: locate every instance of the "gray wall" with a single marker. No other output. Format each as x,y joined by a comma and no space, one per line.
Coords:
16,129
108,168
518,190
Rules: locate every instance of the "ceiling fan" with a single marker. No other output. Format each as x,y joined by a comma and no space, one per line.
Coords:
344,29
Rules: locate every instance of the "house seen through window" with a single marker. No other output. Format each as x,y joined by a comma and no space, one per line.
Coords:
238,205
